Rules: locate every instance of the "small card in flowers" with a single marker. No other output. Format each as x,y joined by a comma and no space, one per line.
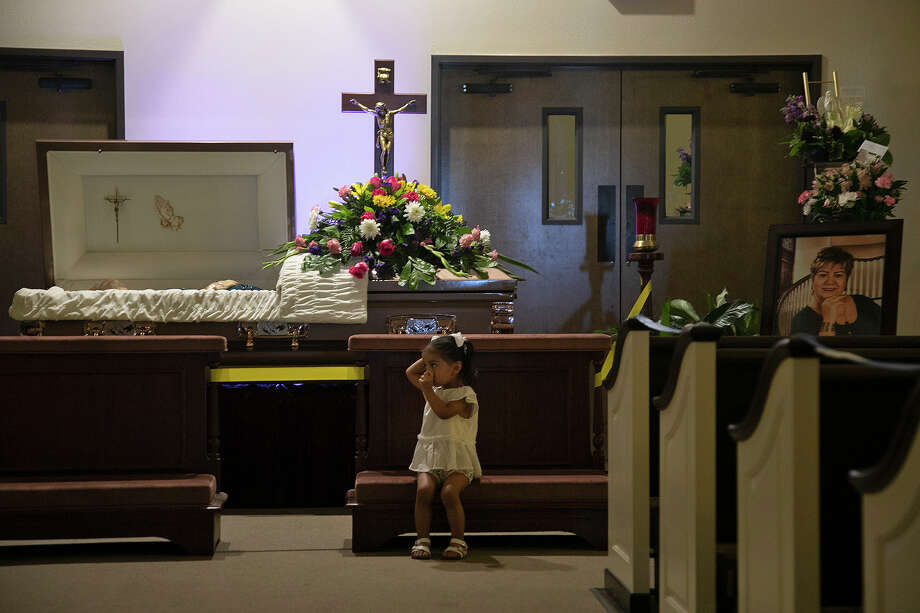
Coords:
869,152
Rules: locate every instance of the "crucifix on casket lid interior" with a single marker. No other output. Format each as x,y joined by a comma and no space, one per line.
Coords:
384,104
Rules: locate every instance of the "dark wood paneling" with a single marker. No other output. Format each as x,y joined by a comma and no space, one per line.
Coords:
534,409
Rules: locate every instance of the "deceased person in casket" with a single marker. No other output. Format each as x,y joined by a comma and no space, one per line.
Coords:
833,312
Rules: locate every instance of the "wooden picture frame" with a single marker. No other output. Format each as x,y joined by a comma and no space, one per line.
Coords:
791,250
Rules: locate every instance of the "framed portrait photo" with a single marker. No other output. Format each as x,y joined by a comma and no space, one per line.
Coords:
832,279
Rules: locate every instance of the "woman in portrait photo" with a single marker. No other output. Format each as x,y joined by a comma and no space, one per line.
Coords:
833,312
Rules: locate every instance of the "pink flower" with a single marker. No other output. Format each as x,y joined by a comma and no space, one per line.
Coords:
879,199
394,183
427,241
804,197
300,242
865,179
357,248
334,246
493,255
375,181
386,248
466,240
358,270
889,200
299,248
368,215
876,168
475,233
411,196
884,181
379,192
344,191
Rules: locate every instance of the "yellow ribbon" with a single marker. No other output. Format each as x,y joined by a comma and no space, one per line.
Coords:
286,373
635,310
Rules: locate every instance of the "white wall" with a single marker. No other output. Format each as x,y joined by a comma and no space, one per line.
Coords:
274,70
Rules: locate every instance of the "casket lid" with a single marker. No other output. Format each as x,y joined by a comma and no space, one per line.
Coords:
196,212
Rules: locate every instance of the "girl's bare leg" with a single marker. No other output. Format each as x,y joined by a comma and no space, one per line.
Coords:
424,494
450,496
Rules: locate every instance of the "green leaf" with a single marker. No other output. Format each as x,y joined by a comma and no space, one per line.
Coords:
684,310
665,318
444,261
516,263
720,299
727,315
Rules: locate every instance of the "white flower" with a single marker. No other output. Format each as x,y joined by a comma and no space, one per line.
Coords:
847,199
312,221
485,237
806,208
415,212
369,228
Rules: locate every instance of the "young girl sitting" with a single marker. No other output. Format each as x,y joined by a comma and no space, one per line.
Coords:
445,455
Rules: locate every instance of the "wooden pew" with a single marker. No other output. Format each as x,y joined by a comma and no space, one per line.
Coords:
538,418
798,530
110,437
890,520
739,361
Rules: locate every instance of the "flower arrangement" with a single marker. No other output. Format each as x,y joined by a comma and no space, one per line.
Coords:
683,177
852,192
393,227
832,136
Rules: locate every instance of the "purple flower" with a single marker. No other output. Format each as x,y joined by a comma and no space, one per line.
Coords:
796,110
314,248
683,155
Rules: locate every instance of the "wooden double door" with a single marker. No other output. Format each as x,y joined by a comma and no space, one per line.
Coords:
489,163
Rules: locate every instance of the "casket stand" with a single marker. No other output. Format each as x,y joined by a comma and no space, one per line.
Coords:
286,417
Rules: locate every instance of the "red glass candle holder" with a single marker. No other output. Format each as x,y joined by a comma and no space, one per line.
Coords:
646,218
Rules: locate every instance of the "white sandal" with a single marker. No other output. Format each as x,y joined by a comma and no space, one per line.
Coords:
423,547
458,547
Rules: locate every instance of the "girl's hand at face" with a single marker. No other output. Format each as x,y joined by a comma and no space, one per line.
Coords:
427,379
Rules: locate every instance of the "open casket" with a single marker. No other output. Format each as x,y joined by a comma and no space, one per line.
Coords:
165,219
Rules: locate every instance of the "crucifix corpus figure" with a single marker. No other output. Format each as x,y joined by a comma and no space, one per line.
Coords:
116,201
384,104
384,127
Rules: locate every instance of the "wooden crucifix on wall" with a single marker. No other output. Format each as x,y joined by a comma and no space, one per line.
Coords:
384,104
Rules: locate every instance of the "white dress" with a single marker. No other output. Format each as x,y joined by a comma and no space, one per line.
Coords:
448,444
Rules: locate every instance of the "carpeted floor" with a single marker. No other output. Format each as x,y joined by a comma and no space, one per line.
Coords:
299,561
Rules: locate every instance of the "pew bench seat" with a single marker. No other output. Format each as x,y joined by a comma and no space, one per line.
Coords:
183,508
512,500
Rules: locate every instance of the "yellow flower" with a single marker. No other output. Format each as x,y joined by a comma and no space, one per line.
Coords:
442,209
459,218
384,201
427,192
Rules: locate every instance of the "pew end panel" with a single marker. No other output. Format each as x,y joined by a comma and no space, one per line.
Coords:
628,535
686,517
777,467
891,518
